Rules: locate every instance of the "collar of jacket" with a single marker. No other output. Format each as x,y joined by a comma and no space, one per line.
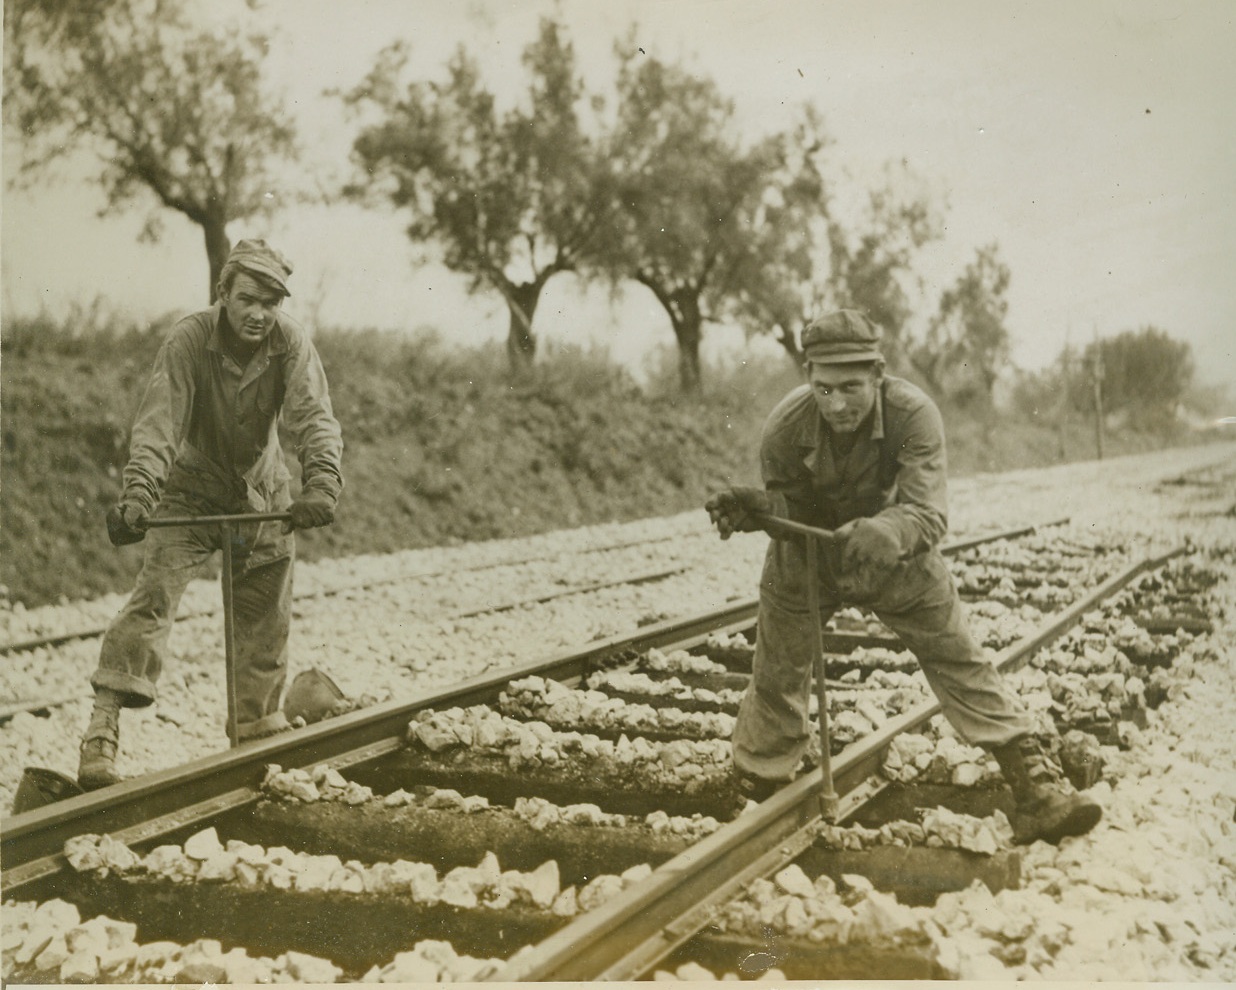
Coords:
275,342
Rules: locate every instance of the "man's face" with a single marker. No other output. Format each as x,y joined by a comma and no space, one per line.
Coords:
844,393
251,308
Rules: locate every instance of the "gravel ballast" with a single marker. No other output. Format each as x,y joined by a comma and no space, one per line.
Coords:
1150,894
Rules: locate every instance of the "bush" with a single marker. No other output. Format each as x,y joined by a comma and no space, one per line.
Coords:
440,445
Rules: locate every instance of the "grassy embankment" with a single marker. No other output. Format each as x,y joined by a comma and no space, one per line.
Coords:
440,446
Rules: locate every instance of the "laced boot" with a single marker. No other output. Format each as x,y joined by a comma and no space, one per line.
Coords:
1047,807
749,787
97,765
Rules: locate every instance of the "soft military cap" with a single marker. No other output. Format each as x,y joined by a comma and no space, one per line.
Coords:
841,338
259,258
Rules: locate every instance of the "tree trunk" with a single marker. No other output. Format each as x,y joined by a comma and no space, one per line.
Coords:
218,247
521,301
682,304
687,323
788,339
689,367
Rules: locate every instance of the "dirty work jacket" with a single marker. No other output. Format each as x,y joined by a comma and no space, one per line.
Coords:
896,468
207,429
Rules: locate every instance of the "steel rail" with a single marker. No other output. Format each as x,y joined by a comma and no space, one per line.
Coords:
55,639
159,803
626,936
9,709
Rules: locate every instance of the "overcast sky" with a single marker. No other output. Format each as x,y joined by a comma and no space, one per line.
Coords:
1094,141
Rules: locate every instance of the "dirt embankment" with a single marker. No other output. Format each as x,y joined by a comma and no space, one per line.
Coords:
440,448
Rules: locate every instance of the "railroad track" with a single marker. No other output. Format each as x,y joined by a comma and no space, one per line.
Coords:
96,629
640,922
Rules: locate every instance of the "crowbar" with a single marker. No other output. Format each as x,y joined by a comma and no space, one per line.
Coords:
226,523
783,529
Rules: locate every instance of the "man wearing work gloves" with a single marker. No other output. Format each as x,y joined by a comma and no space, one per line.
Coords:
205,442
862,453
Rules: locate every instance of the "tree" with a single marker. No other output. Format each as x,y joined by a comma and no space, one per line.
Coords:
872,257
776,282
171,109
1146,374
817,259
967,343
511,199
691,197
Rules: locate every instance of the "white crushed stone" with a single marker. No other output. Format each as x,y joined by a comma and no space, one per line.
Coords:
1149,895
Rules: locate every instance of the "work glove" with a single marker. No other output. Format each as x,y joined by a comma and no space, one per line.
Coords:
310,510
870,553
736,510
870,543
126,523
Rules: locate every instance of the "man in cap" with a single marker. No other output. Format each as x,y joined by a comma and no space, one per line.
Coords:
205,442
862,453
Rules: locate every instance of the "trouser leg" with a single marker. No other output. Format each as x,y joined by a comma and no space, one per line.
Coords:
922,607
262,609
135,644
772,733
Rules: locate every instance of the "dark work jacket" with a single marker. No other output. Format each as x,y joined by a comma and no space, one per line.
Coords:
207,428
896,469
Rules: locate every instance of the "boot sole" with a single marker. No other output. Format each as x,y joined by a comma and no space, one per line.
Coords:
1079,821
97,779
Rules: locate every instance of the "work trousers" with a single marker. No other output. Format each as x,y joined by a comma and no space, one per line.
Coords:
135,644
919,602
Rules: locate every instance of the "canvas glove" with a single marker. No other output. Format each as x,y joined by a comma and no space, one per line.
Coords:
871,547
310,510
736,510
126,522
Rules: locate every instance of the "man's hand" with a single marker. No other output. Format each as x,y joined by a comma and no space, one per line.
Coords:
871,545
126,523
736,510
310,510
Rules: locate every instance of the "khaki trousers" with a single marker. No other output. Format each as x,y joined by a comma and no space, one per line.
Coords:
919,603
135,644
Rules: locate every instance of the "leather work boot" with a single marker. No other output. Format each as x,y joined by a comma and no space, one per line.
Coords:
1047,807
264,728
97,764
748,787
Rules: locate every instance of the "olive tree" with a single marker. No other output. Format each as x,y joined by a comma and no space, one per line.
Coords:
815,256
778,282
510,197
696,205
872,256
967,343
176,113
1146,373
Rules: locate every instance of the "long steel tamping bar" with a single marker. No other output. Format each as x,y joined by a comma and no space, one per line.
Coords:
788,529
828,794
226,536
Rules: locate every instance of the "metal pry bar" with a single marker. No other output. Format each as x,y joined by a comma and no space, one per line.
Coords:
226,523
787,529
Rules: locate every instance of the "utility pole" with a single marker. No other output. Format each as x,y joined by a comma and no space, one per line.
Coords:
1097,378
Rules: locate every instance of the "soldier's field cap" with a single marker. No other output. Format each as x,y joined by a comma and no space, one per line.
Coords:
841,338
258,258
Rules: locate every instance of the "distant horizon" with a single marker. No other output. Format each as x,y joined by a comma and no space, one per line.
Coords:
1091,142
